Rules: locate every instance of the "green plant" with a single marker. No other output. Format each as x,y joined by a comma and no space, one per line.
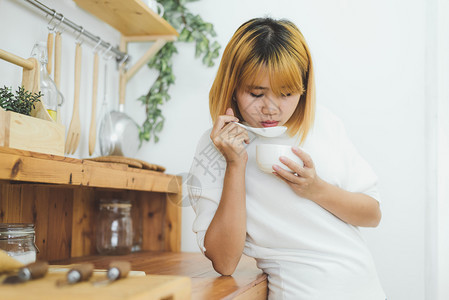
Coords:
192,29
22,102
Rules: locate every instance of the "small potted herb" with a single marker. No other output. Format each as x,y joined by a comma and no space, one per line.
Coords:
20,130
22,101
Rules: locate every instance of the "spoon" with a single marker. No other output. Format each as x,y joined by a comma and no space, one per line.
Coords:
265,131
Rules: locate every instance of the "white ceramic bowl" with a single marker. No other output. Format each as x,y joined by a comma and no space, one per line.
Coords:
268,154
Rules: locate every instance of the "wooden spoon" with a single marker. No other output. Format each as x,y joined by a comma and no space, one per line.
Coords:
74,132
93,124
50,52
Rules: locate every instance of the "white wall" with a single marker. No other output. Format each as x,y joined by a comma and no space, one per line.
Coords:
438,151
370,59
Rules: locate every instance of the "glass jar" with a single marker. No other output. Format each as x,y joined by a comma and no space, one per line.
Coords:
17,239
114,228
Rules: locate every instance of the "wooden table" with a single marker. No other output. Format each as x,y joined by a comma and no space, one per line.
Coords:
247,282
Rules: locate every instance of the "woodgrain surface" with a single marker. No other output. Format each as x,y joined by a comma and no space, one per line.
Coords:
28,133
65,218
42,168
130,17
247,282
131,288
60,196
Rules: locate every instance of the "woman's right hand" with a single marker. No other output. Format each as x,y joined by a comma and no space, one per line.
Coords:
229,138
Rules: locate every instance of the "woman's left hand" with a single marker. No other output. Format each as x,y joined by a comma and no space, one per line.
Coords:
305,182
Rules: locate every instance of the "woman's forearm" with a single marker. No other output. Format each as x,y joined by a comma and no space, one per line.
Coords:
354,208
225,237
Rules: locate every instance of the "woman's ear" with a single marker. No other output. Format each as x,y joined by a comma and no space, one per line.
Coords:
229,111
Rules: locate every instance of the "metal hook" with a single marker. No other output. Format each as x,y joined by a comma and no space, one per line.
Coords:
122,63
51,20
96,46
105,56
59,24
78,40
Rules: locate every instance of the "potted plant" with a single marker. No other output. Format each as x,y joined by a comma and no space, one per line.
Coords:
21,131
21,102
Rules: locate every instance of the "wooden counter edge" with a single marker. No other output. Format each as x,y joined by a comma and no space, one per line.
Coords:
259,291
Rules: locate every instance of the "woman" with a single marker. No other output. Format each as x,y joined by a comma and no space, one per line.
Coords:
301,227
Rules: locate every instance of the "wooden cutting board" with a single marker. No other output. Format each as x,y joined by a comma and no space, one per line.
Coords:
131,162
153,287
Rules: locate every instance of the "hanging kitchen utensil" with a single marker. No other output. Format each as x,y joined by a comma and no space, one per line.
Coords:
125,129
57,74
74,132
93,124
105,130
124,135
126,132
50,40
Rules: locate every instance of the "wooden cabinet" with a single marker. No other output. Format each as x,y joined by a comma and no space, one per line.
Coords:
60,196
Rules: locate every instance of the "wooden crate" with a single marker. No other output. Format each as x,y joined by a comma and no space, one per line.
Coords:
32,134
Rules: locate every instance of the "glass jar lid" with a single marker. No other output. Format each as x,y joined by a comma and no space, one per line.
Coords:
115,203
16,230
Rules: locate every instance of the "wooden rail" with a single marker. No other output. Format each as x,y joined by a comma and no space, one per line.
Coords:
17,60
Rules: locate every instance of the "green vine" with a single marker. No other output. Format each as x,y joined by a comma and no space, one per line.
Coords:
21,102
192,29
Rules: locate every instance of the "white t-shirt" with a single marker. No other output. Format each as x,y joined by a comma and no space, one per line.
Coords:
307,252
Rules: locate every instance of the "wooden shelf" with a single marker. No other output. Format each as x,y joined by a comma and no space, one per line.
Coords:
18,165
130,17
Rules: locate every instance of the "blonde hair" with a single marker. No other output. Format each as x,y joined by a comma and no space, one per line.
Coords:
275,46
